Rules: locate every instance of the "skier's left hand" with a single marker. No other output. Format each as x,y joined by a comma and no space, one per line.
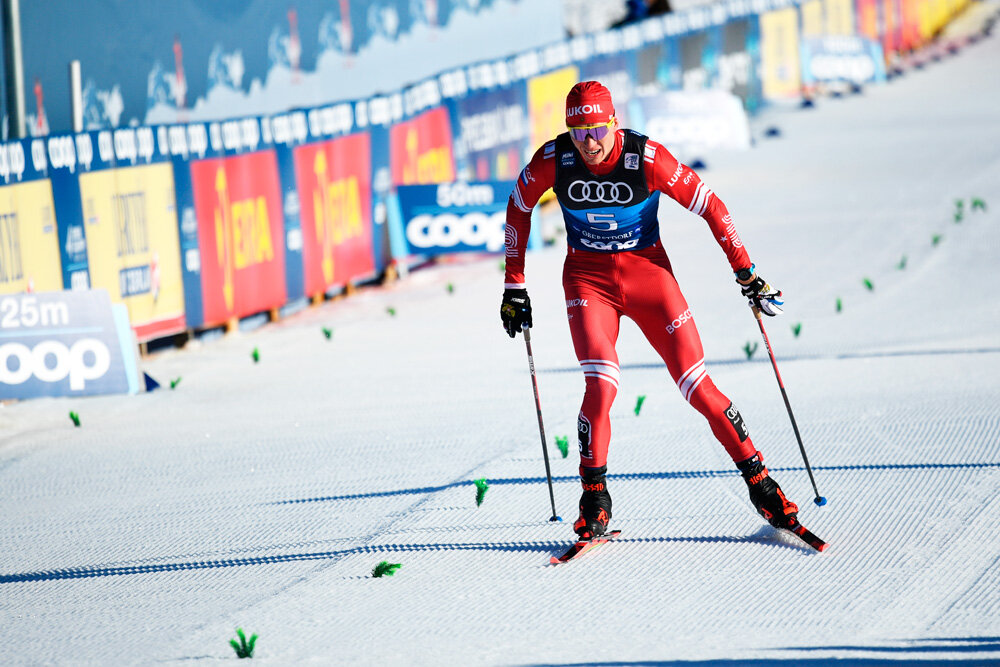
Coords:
515,311
761,296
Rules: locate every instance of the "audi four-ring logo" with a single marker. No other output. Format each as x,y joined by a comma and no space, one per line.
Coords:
598,192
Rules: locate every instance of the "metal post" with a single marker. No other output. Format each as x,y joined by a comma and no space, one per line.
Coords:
76,95
13,68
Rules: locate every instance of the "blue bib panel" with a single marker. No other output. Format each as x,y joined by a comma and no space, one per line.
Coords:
606,213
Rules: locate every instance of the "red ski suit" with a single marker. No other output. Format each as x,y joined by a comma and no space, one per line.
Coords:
601,286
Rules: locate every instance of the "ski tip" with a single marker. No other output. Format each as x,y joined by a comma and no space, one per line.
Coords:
821,546
820,500
553,560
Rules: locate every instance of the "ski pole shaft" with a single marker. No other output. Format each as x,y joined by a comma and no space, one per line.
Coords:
819,500
541,427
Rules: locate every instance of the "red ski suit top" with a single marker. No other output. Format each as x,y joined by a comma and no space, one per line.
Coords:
663,173
600,287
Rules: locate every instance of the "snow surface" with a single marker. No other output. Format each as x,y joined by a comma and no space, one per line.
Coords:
262,495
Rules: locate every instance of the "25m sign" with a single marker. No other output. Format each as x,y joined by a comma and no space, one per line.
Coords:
64,344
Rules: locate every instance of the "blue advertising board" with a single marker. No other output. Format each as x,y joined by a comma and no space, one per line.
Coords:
454,217
491,131
846,58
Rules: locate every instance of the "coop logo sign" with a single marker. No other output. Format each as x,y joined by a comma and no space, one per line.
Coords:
454,217
52,361
64,344
472,231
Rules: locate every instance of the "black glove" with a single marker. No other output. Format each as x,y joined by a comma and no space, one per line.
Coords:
760,295
515,310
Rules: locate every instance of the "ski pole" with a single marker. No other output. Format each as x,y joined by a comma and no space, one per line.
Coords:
541,427
819,500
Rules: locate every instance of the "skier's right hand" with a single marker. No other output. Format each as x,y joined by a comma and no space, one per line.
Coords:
515,310
761,296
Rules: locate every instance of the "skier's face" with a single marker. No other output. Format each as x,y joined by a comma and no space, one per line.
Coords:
595,151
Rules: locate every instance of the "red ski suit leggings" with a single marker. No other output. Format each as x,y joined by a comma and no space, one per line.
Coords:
600,288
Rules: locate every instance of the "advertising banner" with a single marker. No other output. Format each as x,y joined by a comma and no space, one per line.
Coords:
691,122
547,104
781,75
890,26
614,72
657,66
29,244
64,344
420,149
132,244
867,14
238,207
851,59
334,182
839,17
813,21
911,35
738,59
491,133
698,59
454,217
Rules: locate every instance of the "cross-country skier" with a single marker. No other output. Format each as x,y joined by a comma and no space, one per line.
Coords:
608,180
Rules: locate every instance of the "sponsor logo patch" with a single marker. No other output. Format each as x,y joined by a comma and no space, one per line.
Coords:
632,161
584,109
568,159
679,321
734,417
583,433
677,174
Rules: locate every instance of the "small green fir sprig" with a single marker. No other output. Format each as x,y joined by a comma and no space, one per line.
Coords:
243,648
936,239
749,348
176,381
902,263
638,403
385,569
391,311
978,204
562,442
481,486
255,355
840,304
797,329
869,285
451,288
959,210
75,417
327,333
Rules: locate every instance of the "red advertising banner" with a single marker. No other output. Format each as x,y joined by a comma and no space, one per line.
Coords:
890,27
912,38
237,201
333,179
867,13
420,149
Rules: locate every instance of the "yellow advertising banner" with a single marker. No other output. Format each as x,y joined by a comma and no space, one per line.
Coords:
813,24
839,17
29,243
547,107
133,250
547,103
781,69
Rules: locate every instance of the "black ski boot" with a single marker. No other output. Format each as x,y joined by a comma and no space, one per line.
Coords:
766,495
595,504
